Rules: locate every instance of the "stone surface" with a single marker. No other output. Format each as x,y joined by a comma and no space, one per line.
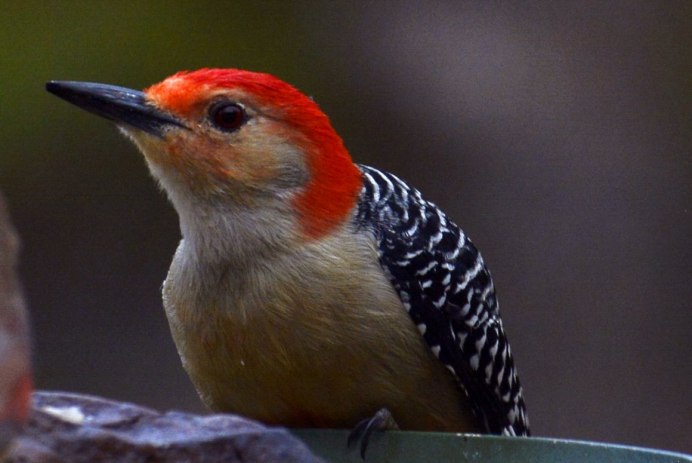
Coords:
15,372
66,427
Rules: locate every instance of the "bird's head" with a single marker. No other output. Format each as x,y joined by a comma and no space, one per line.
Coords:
234,139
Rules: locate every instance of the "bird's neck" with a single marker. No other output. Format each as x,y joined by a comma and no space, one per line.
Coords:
228,234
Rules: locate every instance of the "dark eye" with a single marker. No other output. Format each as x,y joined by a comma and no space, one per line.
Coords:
227,116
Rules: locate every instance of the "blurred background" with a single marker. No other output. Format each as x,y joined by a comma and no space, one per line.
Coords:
557,134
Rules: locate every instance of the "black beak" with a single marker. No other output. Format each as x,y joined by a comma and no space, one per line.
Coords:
119,104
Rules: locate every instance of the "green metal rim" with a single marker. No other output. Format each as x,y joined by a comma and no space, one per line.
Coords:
409,447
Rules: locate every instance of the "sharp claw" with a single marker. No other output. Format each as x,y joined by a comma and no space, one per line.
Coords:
381,421
373,425
357,432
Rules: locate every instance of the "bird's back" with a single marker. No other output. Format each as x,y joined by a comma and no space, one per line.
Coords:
448,292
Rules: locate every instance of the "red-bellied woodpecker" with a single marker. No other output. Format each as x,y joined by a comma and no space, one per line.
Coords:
308,290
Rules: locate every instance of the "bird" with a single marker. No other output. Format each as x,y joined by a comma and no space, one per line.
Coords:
309,290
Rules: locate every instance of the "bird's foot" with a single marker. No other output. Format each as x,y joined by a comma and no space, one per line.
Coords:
380,421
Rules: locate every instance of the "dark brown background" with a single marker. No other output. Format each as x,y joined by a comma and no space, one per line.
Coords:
557,134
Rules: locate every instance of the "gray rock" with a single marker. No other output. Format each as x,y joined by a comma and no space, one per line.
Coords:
66,427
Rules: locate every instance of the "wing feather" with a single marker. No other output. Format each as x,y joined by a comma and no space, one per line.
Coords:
447,290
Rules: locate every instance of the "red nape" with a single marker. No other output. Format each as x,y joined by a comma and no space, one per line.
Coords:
335,182
331,194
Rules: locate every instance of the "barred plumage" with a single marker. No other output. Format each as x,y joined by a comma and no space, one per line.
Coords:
447,290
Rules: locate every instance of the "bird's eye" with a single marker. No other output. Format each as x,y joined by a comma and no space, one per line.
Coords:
227,116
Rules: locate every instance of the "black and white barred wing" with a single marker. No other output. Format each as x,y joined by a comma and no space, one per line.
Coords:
448,292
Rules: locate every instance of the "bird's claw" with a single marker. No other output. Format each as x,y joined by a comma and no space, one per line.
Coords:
382,420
